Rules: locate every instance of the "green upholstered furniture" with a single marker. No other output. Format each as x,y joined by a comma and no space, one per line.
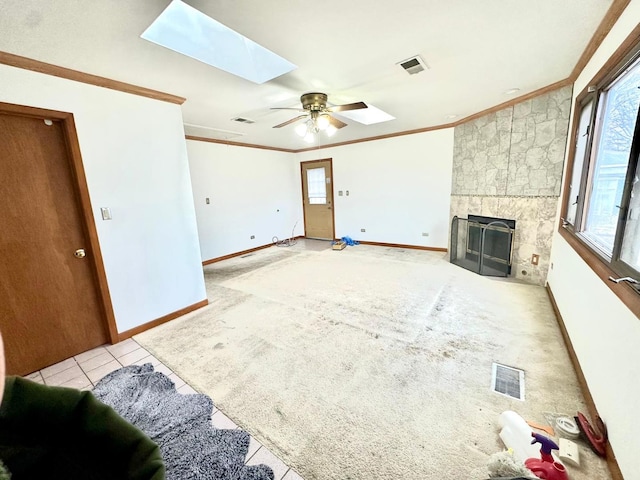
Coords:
62,433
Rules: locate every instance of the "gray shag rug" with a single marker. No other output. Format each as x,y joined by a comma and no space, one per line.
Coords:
192,448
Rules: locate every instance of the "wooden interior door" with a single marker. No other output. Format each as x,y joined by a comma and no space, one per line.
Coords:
317,199
50,308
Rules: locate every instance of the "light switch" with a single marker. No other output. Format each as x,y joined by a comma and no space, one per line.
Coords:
339,193
106,213
569,452
206,200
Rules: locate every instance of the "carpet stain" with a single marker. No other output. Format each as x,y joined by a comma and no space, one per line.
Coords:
219,272
218,346
347,367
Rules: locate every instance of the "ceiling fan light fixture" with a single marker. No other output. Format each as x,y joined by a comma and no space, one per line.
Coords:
323,121
301,129
318,117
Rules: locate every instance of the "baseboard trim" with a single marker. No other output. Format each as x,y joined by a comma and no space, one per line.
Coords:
242,252
164,319
400,245
379,244
614,468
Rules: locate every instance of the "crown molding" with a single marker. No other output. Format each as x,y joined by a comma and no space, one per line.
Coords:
607,23
69,74
239,144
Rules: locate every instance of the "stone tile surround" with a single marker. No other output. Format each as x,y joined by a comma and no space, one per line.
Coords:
509,164
535,220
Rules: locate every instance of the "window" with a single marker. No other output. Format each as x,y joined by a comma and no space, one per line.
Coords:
316,185
603,202
581,148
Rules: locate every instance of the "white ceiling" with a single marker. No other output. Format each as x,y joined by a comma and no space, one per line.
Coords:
476,50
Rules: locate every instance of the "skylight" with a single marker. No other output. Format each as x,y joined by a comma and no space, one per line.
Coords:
367,116
190,32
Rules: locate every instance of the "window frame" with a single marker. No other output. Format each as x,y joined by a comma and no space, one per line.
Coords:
590,97
601,263
633,166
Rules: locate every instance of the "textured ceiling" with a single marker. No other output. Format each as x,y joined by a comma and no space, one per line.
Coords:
476,50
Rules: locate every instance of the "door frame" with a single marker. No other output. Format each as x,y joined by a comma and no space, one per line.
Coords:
333,205
83,201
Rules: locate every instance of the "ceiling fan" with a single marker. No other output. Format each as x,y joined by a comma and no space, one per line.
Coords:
318,116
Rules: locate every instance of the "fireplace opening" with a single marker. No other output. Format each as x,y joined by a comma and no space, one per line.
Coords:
482,244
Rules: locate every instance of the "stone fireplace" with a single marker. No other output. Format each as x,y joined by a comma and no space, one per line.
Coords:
508,164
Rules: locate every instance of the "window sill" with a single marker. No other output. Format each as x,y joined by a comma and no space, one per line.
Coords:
625,292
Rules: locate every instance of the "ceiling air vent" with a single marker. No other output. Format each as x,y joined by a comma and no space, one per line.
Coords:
242,120
413,65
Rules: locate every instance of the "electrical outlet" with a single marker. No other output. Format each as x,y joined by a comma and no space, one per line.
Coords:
339,193
252,237
425,234
206,200
535,258
363,229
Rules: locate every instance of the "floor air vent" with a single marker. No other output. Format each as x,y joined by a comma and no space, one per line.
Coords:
507,381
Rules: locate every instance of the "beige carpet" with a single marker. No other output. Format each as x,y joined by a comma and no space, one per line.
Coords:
371,362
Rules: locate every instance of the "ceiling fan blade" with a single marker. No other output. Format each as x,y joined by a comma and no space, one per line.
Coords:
336,123
348,106
295,119
288,108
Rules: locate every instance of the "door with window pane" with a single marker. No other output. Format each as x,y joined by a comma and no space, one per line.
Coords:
317,196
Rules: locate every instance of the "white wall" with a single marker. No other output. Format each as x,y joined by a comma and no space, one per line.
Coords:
398,187
135,160
251,191
603,331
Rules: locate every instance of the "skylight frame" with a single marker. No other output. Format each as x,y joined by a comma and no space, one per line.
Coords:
188,31
367,116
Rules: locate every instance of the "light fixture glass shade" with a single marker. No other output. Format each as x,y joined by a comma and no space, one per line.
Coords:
323,121
309,137
301,129
330,130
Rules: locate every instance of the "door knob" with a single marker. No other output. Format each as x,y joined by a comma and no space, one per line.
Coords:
80,253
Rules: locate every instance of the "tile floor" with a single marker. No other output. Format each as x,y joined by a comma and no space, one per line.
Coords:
85,370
